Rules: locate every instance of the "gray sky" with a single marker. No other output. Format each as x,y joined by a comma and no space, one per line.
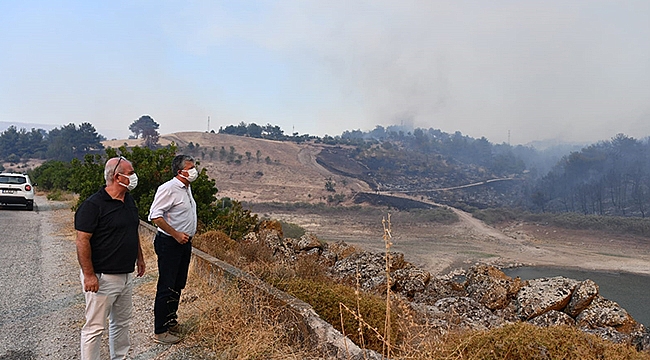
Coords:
569,70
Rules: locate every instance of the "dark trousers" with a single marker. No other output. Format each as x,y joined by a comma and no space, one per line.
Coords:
173,263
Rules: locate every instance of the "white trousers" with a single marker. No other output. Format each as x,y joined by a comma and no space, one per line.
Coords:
113,301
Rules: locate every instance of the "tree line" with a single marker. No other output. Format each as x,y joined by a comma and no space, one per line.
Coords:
608,178
67,142
268,131
64,143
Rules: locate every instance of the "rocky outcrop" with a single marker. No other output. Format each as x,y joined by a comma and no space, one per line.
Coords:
606,313
553,318
459,312
491,287
370,268
307,243
482,297
582,296
543,295
439,288
410,280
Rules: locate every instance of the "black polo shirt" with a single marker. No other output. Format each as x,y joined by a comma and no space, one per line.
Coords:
114,228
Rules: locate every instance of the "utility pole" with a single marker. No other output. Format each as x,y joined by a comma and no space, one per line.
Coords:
508,137
208,123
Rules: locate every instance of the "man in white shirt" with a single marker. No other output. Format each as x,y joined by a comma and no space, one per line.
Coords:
173,211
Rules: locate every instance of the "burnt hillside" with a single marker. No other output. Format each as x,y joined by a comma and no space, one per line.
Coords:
390,201
390,167
261,170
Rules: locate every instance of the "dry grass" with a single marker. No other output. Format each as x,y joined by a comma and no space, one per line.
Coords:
520,341
227,322
235,323
327,297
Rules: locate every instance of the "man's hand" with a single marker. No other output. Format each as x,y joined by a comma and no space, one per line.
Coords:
141,266
181,237
84,255
91,283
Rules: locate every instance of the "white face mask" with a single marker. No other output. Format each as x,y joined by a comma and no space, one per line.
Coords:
192,174
133,181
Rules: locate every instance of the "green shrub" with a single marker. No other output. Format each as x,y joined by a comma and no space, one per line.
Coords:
292,230
495,216
56,195
438,215
153,168
52,174
229,216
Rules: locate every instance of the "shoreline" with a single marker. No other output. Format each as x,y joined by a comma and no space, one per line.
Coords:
579,269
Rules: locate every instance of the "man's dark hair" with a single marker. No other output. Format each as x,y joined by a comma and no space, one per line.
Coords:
179,163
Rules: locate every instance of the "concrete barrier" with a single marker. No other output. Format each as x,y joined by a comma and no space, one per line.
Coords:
301,317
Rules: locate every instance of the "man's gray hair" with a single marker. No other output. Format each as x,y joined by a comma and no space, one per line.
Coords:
179,163
113,167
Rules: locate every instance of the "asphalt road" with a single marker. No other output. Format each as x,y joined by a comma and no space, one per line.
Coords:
41,306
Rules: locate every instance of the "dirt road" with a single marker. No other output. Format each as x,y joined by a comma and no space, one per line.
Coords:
41,302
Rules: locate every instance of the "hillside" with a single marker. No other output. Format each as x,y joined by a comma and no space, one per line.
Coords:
291,173
294,175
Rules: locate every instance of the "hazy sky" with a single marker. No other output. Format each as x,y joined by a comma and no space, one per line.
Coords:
574,70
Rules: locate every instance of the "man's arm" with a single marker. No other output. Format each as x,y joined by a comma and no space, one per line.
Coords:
181,237
140,262
84,255
163,201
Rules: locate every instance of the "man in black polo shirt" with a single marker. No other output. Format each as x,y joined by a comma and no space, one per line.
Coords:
108,247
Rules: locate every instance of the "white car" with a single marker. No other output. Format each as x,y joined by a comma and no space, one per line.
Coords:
16,189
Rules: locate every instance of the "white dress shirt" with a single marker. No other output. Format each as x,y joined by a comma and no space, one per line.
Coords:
174,203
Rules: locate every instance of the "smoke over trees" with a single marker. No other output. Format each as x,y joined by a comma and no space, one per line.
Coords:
607,178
